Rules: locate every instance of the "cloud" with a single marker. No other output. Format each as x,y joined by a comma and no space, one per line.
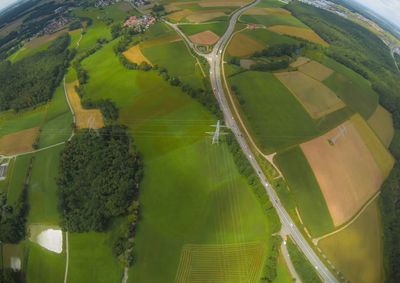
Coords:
389,9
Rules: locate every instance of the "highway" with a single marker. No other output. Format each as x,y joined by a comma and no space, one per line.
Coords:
215,59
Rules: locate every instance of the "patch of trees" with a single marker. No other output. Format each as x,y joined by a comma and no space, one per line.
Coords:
158,9
107,107
270,266
270,66
13,217
124,243
278,50
32,80
7,275
75,25
99,176
362,51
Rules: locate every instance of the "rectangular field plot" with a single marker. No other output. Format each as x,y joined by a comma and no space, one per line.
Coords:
299,32
242,45
356,251
315,70
274,116
221,263
316,98
345,168
18,142
382,124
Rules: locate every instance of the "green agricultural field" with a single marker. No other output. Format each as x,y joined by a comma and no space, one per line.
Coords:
306,192
352,88
169,130
57,125
357,251
218,28
12,122
303,267
271,4
273,115
267,37
272,20
43,196
44,266
176,58
91,260
17,178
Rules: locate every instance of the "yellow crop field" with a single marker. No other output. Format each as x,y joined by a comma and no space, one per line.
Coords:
228,263
85,118
135,55
242,46
357,250
299,61
303,33
315,70
380,153
315,97
179,15
267,11
382,124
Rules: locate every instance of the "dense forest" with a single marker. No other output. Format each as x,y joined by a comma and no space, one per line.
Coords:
362,51
32,80
98,178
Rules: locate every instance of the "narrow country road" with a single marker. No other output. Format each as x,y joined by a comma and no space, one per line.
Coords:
216,60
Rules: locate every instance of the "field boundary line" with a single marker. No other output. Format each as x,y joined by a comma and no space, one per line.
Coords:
316,240
250,138
67,257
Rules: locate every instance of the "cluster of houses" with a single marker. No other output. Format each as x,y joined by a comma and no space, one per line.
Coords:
56,25
140,3
140,24
105,3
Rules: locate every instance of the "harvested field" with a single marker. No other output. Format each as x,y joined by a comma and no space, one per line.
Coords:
382,124
39,41
300,61
315,70
221,263
347,172
242,45
135,55
246,63
315,97
160,40
231,3
267,11
18,142
85,118
204,38
303,33
380,153
179,15
204,16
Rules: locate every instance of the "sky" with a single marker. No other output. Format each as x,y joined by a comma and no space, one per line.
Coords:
6,3
389,9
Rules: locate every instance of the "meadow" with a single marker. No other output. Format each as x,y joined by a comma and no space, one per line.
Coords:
271,20
57,125
176,58
305,191
169,128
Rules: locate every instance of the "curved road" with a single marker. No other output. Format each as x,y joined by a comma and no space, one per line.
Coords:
215,60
